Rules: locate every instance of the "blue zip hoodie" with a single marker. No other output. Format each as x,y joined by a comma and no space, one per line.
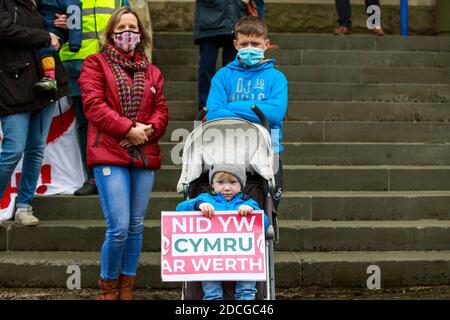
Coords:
220,203
235,88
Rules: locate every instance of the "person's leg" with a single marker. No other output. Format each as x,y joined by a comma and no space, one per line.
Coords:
229,51
344,11
141,185
48,82
245,290
209,49
39,127
212,290
88,187
377,30
369,3
15,131
113,183
260,8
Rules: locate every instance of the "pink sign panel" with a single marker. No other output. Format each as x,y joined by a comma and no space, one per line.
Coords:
226,247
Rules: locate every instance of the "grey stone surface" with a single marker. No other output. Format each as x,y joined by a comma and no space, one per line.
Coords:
364,111
381,206
3,236
298,17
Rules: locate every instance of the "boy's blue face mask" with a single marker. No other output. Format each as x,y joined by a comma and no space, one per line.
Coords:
250,56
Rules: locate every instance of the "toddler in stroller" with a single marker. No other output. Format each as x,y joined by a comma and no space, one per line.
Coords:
204,153
227,181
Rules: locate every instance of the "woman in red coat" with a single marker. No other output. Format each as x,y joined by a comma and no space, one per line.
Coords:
123,101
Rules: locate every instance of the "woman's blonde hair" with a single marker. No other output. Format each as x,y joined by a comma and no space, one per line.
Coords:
146,40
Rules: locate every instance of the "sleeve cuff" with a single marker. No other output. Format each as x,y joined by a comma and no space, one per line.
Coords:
197,205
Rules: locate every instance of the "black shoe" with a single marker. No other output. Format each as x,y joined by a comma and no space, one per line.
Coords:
88,188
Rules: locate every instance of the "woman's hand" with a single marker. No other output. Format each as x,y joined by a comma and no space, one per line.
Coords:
60,21
207,210
55,41
244,210
137,135
125,143
150,131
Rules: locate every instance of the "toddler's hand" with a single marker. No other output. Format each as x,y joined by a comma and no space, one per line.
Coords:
207,210
244,210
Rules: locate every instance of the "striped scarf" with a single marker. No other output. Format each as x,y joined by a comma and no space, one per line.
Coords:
130,98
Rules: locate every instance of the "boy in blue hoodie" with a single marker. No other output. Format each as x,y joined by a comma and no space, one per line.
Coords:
227,181
252,80
73,35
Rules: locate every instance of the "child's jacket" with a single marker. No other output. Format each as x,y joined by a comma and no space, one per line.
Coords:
48,8
220,203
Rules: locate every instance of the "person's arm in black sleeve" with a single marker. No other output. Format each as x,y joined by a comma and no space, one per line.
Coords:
21,36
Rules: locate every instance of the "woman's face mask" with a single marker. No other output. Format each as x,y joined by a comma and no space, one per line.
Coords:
126,40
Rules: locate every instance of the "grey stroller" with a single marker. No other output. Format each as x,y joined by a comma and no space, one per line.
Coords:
232,141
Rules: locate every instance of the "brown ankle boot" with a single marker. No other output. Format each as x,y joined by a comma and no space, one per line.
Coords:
108,289
126,284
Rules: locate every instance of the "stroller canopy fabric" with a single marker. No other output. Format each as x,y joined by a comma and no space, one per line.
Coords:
227,141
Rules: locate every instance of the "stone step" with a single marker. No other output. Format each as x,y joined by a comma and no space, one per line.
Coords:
312,205
386,92
312,57
303,16
343,178
329,269
299,41
343,153
295,236
342,131
339,111
345,74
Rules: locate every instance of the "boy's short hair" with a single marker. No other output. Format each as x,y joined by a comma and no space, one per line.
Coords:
251,26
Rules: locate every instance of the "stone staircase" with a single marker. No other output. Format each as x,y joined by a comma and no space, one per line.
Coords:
366,166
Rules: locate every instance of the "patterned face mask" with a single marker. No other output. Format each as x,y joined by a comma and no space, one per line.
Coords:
127,40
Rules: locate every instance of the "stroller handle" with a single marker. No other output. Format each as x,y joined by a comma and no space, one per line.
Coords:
261,116
201,114
254,108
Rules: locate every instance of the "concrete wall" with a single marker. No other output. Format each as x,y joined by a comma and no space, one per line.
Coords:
305,16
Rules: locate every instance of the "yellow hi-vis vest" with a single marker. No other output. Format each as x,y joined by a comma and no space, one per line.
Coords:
95,17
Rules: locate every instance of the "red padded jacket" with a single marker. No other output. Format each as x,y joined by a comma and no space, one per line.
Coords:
107,125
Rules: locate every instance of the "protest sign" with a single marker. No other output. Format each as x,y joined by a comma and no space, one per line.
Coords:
226,247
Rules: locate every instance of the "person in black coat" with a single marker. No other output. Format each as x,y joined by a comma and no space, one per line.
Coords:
25,115
213,29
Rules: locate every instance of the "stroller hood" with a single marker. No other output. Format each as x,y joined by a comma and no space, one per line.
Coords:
227,141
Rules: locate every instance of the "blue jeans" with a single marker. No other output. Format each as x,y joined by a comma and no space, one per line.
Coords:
24,133
124,194
245,290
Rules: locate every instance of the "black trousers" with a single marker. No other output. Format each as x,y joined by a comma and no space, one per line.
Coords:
209,50
344,11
